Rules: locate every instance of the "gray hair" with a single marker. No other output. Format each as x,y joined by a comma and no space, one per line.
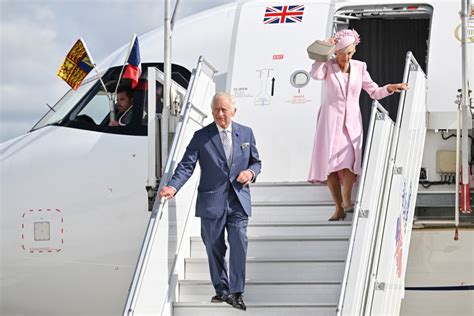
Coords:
225,95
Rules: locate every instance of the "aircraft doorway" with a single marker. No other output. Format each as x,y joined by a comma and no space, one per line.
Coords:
387,33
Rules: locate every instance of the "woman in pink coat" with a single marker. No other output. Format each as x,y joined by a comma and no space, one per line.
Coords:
337,147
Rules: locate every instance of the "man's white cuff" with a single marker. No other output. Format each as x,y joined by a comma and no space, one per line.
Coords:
253,174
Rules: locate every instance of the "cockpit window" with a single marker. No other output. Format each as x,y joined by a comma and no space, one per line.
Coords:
97,109
55,115
89,107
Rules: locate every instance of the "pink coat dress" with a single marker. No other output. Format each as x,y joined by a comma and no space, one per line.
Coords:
338,138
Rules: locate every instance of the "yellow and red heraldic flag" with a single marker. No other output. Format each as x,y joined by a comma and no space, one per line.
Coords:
76,65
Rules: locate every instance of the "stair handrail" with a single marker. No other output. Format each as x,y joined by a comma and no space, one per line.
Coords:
396,169
161,204
376,108
410,63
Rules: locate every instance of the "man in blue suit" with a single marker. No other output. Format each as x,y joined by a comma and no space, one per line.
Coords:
229,161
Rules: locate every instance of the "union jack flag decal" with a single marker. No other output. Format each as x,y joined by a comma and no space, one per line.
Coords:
284,14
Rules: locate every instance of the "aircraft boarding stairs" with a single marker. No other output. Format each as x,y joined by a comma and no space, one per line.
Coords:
298,263
295,262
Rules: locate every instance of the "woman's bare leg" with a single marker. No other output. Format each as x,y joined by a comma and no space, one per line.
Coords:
348,179
335,189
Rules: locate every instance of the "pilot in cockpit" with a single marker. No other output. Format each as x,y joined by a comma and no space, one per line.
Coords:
124,105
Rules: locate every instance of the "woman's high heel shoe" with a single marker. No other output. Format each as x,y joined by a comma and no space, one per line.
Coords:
340,218
348,209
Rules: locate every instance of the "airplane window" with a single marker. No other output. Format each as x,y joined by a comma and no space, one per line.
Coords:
96,110
64,105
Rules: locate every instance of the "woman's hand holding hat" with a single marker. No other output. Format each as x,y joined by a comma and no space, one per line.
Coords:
331,40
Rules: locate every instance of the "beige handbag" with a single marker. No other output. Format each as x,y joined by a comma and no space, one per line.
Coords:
321,50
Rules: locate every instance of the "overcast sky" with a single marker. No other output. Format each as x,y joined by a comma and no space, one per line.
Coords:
36,35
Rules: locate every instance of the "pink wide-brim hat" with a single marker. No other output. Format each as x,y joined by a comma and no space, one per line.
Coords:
345,38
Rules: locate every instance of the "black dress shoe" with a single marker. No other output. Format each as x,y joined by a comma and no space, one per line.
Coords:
219,298
236,300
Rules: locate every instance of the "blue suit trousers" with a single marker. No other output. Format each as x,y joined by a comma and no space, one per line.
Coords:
235,221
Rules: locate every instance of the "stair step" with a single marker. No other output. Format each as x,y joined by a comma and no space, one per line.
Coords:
314,229
223,309
295,260
299,191
286,247
296,212
275,269
266,292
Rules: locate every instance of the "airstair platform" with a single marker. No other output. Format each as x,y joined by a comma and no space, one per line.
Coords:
295,261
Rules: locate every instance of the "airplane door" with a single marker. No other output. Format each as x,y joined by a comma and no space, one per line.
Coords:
269,78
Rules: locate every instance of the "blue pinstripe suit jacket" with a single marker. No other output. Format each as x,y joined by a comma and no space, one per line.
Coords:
206,148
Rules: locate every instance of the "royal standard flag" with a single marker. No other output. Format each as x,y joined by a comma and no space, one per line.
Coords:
76,65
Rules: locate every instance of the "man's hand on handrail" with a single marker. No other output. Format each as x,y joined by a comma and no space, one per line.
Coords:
167,192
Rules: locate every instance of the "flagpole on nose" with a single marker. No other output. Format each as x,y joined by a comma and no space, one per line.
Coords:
132,42
102,82
93,64
127,56
109,95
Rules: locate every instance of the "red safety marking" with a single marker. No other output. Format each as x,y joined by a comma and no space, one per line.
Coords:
278,56
465,196
465,201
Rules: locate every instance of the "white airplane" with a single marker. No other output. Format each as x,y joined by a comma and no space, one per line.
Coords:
74,207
